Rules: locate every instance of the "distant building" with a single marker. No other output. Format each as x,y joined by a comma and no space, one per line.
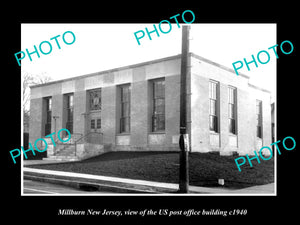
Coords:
136,108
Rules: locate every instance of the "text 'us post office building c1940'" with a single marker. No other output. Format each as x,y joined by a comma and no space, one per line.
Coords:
136,108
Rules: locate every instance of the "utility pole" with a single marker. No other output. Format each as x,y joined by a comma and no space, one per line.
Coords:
184,139
54,148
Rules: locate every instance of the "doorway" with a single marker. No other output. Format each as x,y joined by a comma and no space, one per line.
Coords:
94,118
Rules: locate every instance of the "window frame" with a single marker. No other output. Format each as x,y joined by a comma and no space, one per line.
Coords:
158,114
48,109
232,110
213,106
259,118
125,108
48,120
70,111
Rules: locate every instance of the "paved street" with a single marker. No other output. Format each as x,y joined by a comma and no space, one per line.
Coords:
36,187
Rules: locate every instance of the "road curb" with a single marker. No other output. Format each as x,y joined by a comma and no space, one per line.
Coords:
83,185
97,184
89,182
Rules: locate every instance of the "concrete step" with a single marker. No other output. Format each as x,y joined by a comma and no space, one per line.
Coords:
66,150
61,158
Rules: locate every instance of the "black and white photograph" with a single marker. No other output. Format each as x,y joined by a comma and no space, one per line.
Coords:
174,116
115,126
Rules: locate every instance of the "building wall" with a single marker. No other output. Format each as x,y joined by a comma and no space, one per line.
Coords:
141,136
172,110
246,122
140,77
80,99
245,140
139,115
35,127
266,117
108,115
200,136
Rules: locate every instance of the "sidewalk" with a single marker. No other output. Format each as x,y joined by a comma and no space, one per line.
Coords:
40,161
124,185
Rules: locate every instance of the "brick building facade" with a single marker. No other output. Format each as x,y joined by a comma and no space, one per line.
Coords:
136,108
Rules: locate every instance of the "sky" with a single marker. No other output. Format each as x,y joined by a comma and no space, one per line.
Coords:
101,47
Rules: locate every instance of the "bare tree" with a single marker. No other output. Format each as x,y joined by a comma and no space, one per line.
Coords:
28,80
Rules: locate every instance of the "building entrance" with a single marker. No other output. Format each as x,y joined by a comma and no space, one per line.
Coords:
95,122
94,119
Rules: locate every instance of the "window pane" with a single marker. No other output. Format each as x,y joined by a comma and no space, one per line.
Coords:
161,122
69,126
212,107
159,106
92,124
154,123
47,128
158,117
159,89
49,104
232,109
258,132
98,123
125,109
70,115
231,113
158,122
122,127
125,124
214,96
125,93
49,117
258,118
232,126
212,90
231,95
258,107
70,101
159,102
213,123
213,118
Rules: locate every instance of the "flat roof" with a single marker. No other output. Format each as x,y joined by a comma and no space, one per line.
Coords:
258,88
218,65
142,64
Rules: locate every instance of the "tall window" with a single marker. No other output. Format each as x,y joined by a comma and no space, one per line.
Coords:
70,112
259,118
48,115
125,91
213,105
232,109
158,114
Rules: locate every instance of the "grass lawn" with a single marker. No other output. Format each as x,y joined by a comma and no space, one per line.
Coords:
204,168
